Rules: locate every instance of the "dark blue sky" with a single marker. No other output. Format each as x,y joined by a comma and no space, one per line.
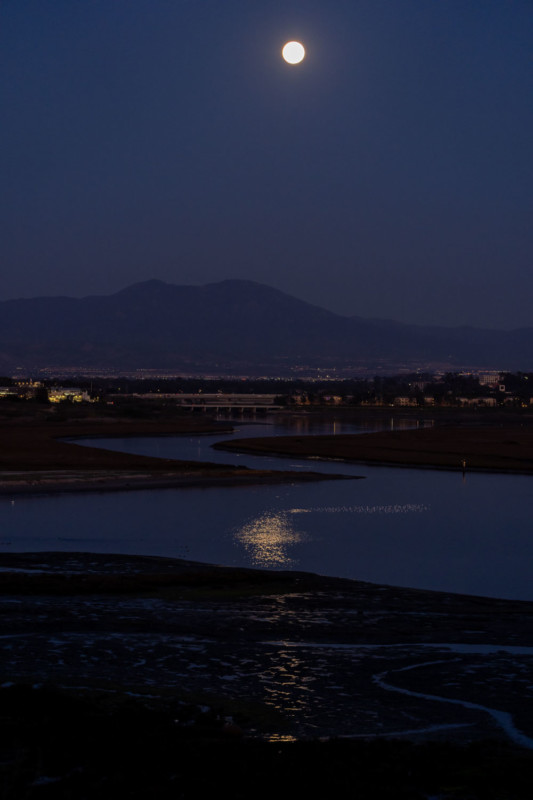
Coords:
388,175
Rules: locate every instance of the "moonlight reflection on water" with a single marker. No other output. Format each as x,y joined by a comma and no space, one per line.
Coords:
268,537
405,508
429,529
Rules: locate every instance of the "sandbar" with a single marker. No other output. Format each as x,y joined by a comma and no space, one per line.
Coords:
36,459
508,448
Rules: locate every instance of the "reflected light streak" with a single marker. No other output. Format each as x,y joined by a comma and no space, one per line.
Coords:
267,539
404,508
286,683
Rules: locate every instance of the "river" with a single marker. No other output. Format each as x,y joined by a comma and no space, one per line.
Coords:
428,529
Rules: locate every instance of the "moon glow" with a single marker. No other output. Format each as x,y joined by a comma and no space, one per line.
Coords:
293,52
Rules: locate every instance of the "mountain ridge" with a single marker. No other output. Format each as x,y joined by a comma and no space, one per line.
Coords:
237,324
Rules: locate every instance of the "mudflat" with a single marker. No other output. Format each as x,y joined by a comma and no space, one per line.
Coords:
130,671
310,655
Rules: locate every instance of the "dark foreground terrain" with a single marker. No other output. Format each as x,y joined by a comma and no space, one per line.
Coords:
135,676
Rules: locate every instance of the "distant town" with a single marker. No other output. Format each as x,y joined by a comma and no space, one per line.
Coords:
489,389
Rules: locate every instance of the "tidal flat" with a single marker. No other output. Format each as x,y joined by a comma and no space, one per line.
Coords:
212,657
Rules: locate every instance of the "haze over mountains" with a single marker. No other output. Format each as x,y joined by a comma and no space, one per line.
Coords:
234,326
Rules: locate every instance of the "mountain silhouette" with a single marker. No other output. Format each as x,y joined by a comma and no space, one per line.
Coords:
234,325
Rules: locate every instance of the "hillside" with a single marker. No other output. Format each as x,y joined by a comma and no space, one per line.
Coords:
233,325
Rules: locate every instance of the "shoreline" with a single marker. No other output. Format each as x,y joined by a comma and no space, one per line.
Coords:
506,450
126,482
36,457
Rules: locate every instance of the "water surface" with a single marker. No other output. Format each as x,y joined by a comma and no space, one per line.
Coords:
429,529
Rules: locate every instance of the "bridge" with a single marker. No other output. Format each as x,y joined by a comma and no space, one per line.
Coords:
225,403
218,402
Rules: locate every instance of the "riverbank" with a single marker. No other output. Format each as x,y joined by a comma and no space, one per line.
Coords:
412,690
36,459
506,448
68,481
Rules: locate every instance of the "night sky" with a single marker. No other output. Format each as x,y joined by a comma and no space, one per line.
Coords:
388,175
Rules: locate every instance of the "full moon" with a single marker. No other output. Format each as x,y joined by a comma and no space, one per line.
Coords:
293,52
